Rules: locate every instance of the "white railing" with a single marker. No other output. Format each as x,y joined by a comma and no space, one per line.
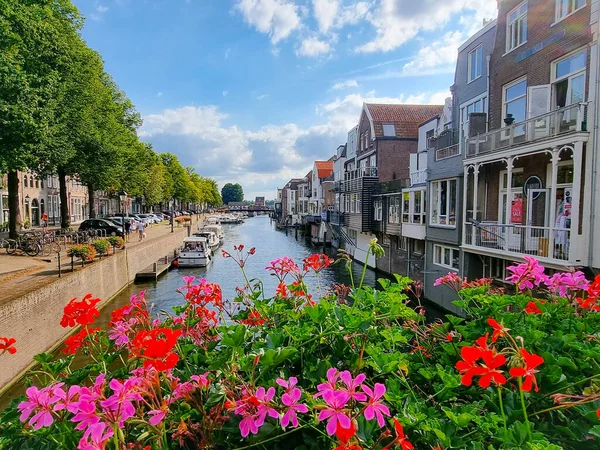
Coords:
562,121
447,152
519,239
418,177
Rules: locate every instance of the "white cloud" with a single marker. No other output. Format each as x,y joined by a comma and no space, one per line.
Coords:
277,18
331,14
159,94
227,53
440,53
345,85
325,12
102,9
262,96
397,21
313,47
225,93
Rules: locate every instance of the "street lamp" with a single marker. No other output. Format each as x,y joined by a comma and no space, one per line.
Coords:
171,210
123,198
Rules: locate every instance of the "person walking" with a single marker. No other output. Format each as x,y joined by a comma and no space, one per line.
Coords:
140,228
127,228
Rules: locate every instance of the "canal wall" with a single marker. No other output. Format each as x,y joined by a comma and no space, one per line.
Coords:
34,319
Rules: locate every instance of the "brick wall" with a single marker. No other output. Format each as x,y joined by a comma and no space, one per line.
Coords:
537,67
393,158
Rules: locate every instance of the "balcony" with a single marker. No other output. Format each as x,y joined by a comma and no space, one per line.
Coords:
570,119
418,177
353,180
519,240
336,218
447,152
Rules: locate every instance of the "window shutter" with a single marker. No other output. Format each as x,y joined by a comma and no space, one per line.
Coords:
538,100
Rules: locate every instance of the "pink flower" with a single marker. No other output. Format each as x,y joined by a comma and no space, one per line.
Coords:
120,331
528,274
188,280
264,408
281,267
450,280
249,425
66,399
567,283
98,437
336,401
120,405
353,385
86,415
330,385
39,402
201,380
375,408
157,416
291,401
288,385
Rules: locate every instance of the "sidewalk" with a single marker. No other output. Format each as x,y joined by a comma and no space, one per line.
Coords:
20,275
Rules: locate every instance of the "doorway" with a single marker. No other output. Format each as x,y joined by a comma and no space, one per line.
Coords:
538,211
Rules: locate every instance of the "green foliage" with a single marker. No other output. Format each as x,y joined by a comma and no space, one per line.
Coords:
115,241
86,252
101,246
232,193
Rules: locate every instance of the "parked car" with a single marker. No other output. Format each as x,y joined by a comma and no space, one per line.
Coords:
151,217
158,216
105,226
118,221
143,218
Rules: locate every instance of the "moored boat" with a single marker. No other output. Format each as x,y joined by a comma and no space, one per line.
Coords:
215,228
211,238
195,252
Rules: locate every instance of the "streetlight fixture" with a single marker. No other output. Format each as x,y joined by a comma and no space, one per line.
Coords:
172,217
123,198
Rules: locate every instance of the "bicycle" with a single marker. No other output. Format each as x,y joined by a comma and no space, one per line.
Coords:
25,244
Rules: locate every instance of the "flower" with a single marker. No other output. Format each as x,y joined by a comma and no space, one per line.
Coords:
468,367
291,401
86,414
155,347
287,385
375,408
491,373
401,439
82,312
254,319
281,290
336,401
353,384
264,409
533,308
39,403
330,385
281,267
67,399
120,331
316,262
157,416
528,274
73,343
451,280
249,425
528,372
7,345
99,433
499,329
345,434
567,283
120,404
487,370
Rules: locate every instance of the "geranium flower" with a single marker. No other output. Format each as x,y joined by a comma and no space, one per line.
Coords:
86,415
264,409
376,408
468,367
120,331
293,407
67,399
334,412
499,329
316,262
74,343
281,267
157,416
287,385
353,385
121,402
39,403
254,319
401,439
155,347
567,283
95,437
528,274
250,424
491,363
345,434
281,290
7,345
82,312
533,308
451,280
528,372
330,385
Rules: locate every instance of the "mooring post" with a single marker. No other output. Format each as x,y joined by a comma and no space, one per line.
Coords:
296,231
324,240
155,267
59,273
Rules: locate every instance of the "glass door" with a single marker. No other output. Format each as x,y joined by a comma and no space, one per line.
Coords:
537,222
509,229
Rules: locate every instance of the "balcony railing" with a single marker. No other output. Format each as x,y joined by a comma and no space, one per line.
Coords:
565,120
519,239
418,177
353,179
447,152
336,218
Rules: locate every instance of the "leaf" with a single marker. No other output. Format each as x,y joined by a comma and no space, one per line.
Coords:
595,431
276,357
235,336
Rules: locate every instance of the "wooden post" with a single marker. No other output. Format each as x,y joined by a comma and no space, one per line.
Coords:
155,267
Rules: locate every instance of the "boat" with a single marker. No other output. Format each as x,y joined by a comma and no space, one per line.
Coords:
195,252
211,238
215,228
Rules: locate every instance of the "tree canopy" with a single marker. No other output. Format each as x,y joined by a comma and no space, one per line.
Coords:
232,193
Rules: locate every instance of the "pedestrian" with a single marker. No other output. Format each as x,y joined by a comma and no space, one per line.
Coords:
140,228
127,228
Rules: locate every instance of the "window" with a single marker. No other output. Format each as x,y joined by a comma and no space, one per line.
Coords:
418,247
378,210
394,210
568,76
25,181
389,130
373,161
446,257
413,207
403,243
516,27
405,207
475,64
428,136
567,7
476,105
514,97
443,203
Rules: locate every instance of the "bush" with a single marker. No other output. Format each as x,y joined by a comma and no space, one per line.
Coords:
101,246
85,252
116,241
358,369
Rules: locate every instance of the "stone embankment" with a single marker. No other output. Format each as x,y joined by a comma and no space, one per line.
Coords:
33,318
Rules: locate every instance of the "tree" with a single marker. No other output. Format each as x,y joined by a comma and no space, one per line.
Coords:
232,193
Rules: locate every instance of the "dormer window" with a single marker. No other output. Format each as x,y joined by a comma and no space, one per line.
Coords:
389,130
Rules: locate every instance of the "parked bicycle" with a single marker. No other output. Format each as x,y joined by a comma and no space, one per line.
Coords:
24,244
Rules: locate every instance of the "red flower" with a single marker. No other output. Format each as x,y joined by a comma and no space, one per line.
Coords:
487,370
281,290
449,337
225,254
598,413
316,262
345,434
252,251
589,303
499,329
468,366
75,342
7,345
254,319
239,248
491,373
401,439
531,362
533,308
82,312
155,347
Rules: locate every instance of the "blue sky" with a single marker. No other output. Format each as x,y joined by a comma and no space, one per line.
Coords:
253,91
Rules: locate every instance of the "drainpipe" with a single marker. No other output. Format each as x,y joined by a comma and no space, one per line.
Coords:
488,57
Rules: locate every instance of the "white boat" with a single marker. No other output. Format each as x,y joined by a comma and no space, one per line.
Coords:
215,228
211,238
194,252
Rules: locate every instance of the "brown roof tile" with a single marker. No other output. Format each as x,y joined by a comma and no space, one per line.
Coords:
406,118
324,168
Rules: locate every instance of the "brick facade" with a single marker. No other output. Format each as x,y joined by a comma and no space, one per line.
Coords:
393,158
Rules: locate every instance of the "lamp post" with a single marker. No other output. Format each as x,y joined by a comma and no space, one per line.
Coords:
171,211
123,198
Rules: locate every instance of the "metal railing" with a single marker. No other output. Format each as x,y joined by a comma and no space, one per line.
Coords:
447,152
519,239
336,218
353,178
418,177
565,120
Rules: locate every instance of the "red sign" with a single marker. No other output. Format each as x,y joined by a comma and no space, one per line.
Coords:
516,211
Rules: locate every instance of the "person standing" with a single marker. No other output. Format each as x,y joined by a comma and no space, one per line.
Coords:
127,228
140,228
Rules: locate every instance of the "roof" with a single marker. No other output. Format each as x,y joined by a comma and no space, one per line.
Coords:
324,168
486,27
405,118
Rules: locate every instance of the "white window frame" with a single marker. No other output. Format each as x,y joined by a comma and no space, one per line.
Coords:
378,210
438,202
558,9
505,103
394,209
510,45
478,52
570,76
440,260
393,129
411,209
464,117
